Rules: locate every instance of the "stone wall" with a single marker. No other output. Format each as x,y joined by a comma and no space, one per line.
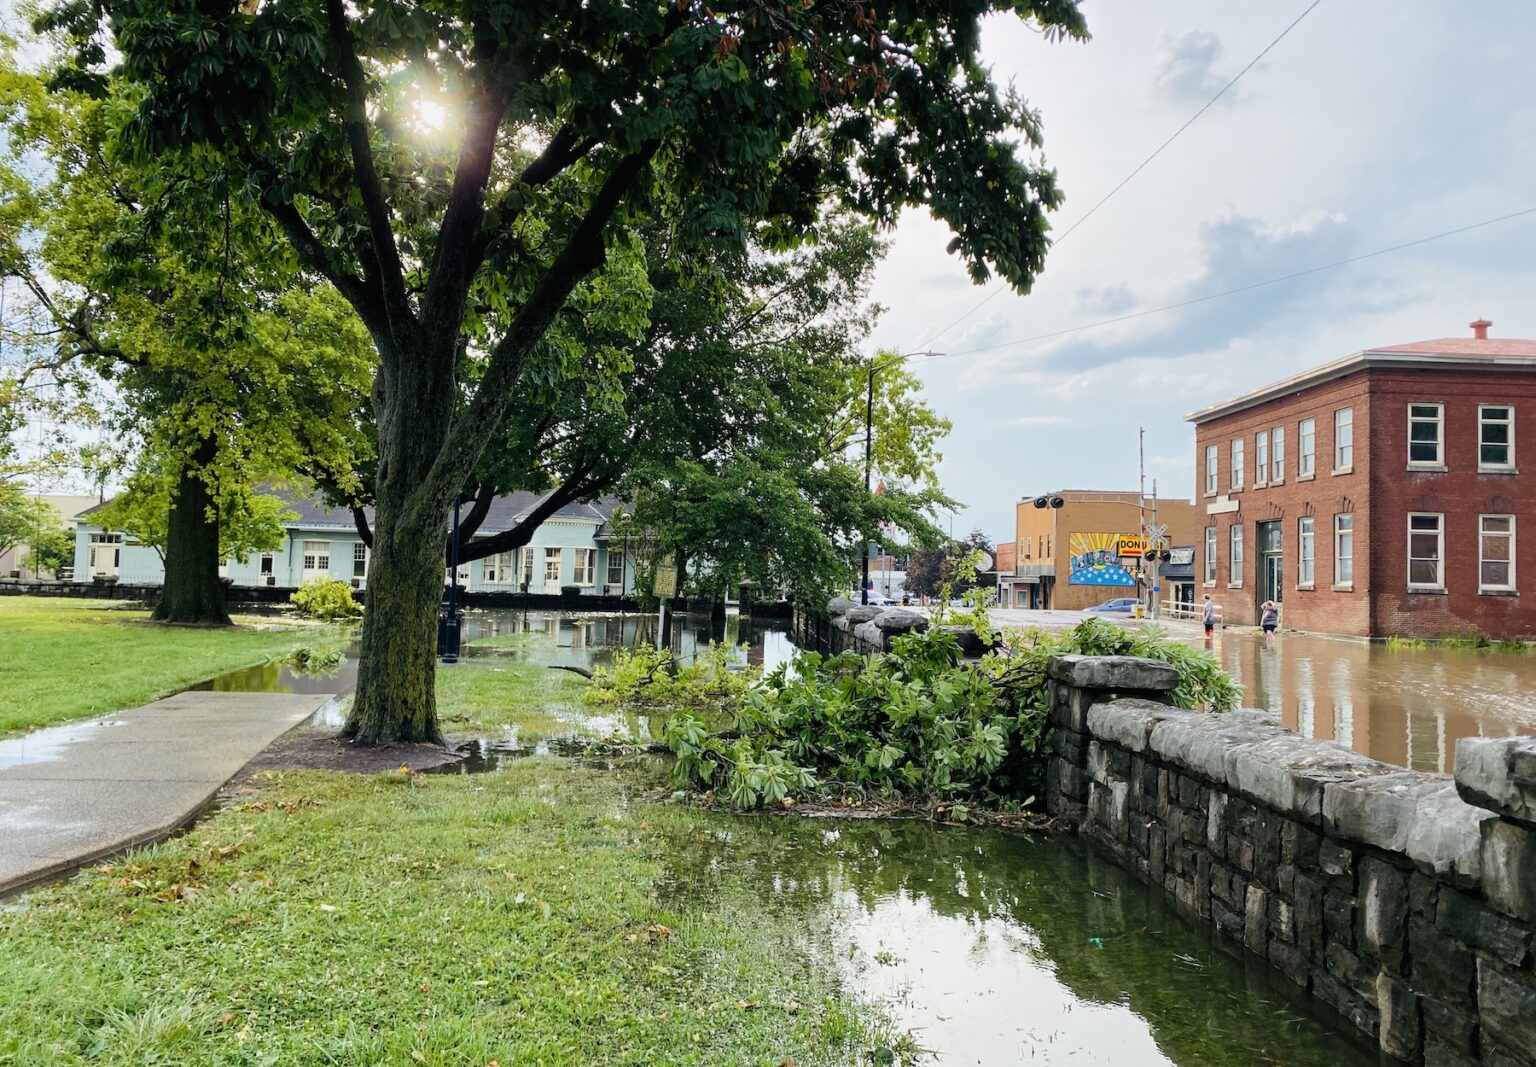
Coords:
849,626
1405,901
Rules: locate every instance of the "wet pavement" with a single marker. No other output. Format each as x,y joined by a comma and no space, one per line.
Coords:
73,794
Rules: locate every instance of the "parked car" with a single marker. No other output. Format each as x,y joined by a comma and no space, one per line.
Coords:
1124,605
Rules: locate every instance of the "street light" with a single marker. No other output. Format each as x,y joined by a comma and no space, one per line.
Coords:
448,620
869,435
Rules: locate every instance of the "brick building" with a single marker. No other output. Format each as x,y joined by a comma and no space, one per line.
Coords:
1087,550
1380,494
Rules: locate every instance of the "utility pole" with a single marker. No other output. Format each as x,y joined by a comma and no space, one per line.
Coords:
1141,492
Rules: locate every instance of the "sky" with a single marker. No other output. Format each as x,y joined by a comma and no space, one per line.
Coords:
1373,123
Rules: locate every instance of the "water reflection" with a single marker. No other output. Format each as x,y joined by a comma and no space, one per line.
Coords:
555,637
1406,707
997,948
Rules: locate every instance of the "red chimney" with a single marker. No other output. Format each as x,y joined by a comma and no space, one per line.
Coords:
1480,328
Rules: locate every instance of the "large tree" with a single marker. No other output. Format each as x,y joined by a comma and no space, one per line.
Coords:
168,290
463,242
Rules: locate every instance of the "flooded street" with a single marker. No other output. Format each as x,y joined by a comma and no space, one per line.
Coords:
1406,707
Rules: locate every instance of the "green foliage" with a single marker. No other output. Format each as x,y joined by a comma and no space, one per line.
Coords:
28,520
315,659
326,598
919,722
52,548
1461,643
653,679
248,522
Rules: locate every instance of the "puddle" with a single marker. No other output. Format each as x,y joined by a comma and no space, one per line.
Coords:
47,745
483,756
994,948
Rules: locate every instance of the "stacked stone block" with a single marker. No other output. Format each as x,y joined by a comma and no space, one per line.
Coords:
1405,901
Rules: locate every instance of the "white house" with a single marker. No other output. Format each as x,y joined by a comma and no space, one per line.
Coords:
573,547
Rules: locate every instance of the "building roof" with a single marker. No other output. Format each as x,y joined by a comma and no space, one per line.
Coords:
505,512
1493,353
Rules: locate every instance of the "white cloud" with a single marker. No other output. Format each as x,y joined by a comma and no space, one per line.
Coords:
1186,67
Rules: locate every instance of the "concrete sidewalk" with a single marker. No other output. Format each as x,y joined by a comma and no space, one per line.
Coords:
74,794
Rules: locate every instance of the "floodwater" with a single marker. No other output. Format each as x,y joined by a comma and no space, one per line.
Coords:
1406,707
996,948
986,947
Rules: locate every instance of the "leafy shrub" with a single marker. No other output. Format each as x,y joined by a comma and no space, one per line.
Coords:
918,722
314,659
653,679
326,598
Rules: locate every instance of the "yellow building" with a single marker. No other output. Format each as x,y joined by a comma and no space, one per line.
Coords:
1086,549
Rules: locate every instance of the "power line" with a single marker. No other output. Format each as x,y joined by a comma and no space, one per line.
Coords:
1248,288
1140,166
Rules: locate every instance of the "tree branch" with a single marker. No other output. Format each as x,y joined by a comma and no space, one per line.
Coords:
390,272
485,495
575,488
583,253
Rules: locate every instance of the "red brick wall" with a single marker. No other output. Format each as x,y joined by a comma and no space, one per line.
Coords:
1322,608
1461,493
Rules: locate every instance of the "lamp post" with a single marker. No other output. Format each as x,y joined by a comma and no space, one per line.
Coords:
448,621
869,436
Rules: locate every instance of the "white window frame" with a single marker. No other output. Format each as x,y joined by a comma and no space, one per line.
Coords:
1277,455
1212,469
552,556
500,568
1261,458
1343,418
1482,420
1306,449
584,567
316,558
1340,557
361,553
266,569
1237,462
1306,551
1210,555
1235,560
615,559
1417,415
1482,560
527,579
1438,585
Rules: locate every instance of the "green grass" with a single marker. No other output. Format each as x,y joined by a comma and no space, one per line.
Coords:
69,659
540,703
531,916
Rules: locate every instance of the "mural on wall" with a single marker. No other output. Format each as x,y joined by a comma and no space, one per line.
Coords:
1096,560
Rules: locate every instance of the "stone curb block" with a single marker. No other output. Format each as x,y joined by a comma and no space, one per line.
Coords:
1125,673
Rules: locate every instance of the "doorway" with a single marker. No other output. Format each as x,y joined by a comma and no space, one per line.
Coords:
1271,562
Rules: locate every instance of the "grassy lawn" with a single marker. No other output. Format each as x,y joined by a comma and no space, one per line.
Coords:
69,659
541,703
532,916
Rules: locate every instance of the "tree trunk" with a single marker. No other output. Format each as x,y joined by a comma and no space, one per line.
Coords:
396,698
193,594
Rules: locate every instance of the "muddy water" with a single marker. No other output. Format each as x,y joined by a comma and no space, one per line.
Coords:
1406,707
994,948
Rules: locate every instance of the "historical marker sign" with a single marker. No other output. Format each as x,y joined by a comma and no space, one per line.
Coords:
666,581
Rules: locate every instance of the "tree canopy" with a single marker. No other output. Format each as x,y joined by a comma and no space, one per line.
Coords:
468,172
